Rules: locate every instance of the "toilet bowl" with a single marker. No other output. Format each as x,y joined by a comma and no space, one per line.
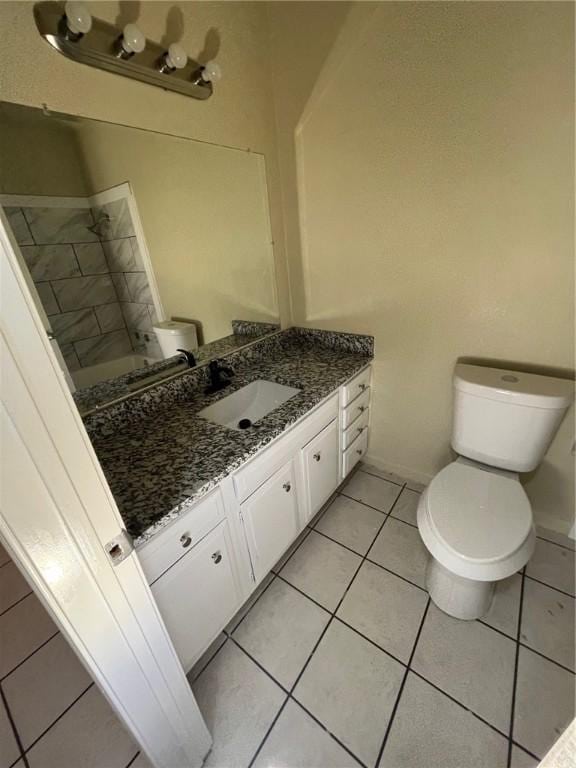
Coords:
475,518
476,522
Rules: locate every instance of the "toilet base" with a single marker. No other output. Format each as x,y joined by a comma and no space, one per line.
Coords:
459,597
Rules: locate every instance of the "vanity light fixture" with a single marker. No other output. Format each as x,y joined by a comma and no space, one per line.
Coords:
77,20
208,73
131,41
66,28
174,58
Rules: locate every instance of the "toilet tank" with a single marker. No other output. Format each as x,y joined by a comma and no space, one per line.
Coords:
173,335
507,419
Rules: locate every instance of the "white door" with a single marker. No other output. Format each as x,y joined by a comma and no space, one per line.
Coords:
56,516
320,458
199,594
270,519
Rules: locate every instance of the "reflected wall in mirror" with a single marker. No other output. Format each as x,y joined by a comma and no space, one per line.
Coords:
122,229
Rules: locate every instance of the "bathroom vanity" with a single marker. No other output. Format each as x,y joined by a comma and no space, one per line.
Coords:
212,508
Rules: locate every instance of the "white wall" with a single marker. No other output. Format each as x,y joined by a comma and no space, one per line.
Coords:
427,168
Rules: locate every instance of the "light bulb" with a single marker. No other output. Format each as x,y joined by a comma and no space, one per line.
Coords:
211,72
133,41
78,18
176,56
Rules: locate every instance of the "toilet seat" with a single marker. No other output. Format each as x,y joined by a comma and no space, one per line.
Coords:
477,521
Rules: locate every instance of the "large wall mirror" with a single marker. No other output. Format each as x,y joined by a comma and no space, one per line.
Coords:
135,243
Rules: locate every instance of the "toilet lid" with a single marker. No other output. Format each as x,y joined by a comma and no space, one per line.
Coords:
479,514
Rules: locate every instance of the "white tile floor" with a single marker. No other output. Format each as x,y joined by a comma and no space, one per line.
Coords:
51,713
342,660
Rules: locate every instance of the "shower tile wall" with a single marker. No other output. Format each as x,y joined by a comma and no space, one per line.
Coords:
93,288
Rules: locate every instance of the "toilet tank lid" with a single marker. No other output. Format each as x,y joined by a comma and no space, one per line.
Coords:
173,326
514,387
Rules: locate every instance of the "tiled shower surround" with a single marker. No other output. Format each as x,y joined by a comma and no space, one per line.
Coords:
90,279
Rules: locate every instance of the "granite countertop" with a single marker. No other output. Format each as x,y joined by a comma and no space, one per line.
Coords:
160,457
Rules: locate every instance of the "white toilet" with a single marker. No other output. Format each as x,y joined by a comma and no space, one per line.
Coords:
173,335
475,518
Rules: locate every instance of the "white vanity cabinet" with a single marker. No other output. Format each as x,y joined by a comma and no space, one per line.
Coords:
320,465
270,519
192,570
205,564
199,594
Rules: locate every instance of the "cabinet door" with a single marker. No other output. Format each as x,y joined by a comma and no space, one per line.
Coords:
199,595
270,519
320,459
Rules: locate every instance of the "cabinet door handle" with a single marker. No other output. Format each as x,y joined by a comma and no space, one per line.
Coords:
360,429
358,451
287,487
362,387
217,556
185,540
317,456
361,408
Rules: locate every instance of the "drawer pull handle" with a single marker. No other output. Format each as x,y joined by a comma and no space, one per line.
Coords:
360,429
185,540
317,457
362,387
287,487
217,557
361,408
359,452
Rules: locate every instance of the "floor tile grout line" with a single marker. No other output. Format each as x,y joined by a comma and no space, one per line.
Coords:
14,729
549,541
282,578
369,640
319,640
133,759
386,480
543,656
291,555
525,749
29,656
257,600
398,576
367,505
60,716
16,603
269,731
459,703
401,689
556,589
516,662
192,680
328,731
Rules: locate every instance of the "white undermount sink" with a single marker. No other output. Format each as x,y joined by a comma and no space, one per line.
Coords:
249,404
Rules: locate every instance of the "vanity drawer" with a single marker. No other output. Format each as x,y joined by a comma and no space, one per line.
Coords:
357,386
356,409
167,547
355,429
354,453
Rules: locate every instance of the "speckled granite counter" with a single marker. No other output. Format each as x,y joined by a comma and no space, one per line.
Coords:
160,457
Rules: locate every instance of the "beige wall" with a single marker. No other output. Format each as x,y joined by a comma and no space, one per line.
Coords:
240,114
427,168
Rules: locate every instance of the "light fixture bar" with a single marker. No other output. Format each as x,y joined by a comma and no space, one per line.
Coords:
99,48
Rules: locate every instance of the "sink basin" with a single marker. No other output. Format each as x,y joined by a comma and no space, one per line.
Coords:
249,404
